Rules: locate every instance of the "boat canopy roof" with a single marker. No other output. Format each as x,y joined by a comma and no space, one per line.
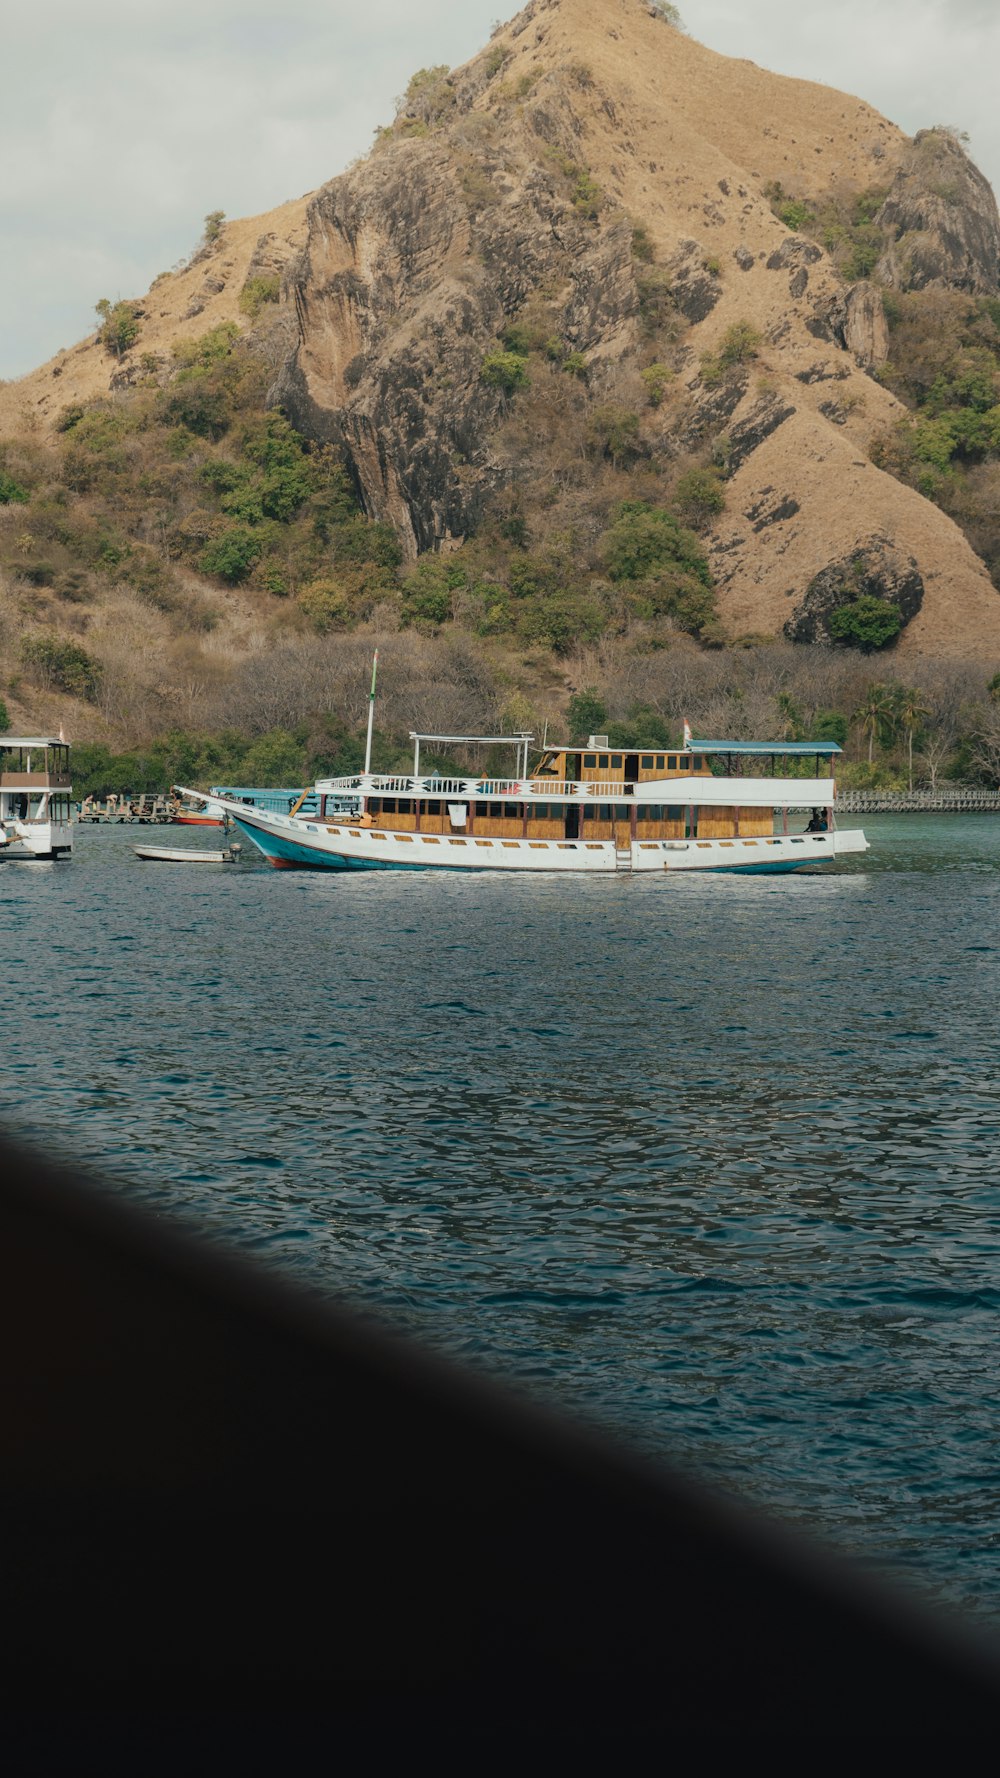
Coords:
766,749
483,740
9,741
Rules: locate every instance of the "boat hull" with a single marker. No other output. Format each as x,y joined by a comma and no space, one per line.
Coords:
290,844
180,855
38,839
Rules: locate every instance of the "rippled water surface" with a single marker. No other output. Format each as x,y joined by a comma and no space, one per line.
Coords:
713,1158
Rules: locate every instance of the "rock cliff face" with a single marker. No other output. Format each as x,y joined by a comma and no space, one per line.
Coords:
480,206
940,220
597,177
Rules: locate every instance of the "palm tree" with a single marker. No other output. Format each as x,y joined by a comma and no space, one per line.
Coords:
874,712
909,710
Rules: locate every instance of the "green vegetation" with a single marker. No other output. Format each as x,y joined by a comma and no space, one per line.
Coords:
843,224
428,99
58,665
11,492
213,227
119,328
506,371
656,379
945,366
867,623
699,495
647,547
740,343
258,291
586,714
4,718
586,195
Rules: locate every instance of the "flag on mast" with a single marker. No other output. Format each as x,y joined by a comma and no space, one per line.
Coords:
371,715
687,732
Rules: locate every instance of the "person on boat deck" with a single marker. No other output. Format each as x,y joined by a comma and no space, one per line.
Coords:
818,823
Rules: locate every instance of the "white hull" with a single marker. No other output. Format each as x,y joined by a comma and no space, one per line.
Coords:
290,843
36,839
181,855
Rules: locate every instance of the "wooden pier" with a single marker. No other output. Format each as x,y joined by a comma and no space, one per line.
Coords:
948,799
123,810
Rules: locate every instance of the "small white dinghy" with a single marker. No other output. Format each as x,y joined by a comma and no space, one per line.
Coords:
186,855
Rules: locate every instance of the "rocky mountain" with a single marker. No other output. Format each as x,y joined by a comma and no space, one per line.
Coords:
602,264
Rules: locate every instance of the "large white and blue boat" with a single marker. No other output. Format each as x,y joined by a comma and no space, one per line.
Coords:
707,805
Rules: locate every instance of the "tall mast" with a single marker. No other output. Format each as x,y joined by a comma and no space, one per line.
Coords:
371,717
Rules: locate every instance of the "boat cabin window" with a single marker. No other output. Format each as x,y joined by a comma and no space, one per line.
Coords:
660,762
616,762
646,763
590,759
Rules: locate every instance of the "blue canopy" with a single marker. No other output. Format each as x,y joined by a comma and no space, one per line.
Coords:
775,749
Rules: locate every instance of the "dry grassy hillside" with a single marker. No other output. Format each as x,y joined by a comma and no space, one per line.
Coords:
179,306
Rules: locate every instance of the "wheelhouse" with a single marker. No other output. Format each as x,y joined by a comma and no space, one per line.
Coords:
35,808
34,779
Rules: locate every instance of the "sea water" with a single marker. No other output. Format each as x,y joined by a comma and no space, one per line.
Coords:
709,1159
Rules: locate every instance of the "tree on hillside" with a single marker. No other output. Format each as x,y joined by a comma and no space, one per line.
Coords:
908,711
586,714
873,713
120,325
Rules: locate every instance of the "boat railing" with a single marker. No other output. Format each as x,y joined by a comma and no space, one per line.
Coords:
388,784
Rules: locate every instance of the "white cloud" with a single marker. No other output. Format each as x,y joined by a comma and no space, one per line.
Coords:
124,121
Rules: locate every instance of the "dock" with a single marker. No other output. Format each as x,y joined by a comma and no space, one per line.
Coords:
123,811
948,799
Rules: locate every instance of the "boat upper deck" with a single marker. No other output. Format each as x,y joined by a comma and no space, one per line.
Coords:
764,793
34,762
707,772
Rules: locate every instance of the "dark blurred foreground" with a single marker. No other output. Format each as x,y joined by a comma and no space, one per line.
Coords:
243,1529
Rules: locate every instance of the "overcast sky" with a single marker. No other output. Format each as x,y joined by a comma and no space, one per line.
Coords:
124,121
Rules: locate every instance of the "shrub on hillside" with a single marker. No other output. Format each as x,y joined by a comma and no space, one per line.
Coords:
739,344
866,623
231,555
562,620
324,603
586,714
699,495
644,539
58,665
429,590
656,379
506,371
257,292
119,325
613,432
11,492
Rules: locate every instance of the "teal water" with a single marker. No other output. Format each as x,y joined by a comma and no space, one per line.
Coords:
712,1160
